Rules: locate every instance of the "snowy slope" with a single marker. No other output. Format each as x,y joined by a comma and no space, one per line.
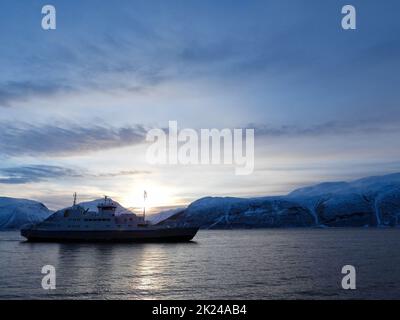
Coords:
371,201
364,185
14,213
163,215
246,213
321,189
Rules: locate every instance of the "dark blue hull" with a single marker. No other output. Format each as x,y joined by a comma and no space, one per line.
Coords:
150,235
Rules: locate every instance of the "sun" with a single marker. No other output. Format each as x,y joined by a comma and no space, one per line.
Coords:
157,196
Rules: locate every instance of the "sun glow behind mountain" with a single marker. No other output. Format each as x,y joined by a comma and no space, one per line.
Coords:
158,196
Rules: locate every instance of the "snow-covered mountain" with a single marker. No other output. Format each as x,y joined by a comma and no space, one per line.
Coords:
227,212
14,213
372,201
92,206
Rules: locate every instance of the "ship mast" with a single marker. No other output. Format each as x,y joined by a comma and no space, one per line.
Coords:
74,199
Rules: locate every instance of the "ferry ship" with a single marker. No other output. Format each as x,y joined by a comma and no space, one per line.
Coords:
76,224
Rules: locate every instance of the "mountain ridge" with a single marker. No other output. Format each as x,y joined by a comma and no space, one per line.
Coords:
371,201
16,212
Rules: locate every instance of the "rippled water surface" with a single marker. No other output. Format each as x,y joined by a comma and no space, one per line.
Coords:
238,264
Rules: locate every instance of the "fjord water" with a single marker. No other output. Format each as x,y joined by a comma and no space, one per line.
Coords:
231,264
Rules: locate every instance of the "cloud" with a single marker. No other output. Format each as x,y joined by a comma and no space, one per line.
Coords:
149,47
34,173
121,173
327,128
20,139
125,61
12,91
72,72
38,173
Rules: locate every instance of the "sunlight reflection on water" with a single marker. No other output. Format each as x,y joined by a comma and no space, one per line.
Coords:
236,264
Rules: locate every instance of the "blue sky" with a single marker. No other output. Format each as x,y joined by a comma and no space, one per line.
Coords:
75,102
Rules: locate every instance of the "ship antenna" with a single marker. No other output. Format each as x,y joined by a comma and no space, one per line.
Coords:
144,204
74,199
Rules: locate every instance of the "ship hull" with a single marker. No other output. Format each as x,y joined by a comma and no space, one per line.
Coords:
150,235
